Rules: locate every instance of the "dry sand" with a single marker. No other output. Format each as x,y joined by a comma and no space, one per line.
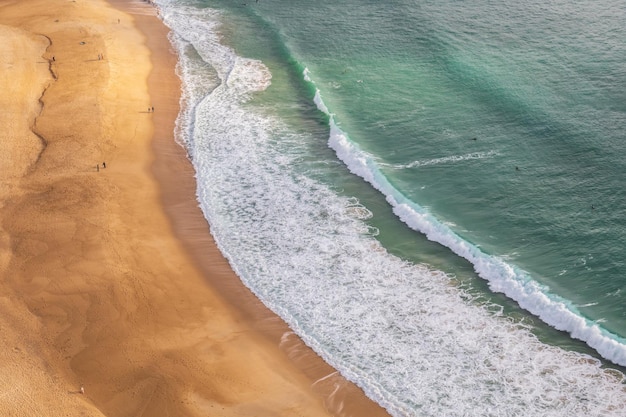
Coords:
109,279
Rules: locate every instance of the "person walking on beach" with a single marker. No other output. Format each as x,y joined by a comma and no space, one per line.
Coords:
104,165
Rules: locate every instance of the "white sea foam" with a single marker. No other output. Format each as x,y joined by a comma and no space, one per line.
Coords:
416,344
502,277
442,160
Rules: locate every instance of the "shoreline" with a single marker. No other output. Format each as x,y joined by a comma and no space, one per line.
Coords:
176,177
115,299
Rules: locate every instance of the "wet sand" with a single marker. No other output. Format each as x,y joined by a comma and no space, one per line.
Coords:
109,278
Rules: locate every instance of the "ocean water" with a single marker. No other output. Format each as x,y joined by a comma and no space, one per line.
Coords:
429,193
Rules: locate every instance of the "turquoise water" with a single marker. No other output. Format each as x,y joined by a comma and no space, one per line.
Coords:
429,194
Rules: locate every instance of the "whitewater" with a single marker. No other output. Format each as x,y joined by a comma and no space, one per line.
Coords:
413,338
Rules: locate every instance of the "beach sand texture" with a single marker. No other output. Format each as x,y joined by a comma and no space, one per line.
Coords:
109,279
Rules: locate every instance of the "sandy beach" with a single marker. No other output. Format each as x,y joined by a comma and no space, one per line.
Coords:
114,300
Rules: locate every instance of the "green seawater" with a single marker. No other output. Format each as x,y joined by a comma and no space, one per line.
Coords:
482,140
506,121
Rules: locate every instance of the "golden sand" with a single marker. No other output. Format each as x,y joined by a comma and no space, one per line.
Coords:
114,300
